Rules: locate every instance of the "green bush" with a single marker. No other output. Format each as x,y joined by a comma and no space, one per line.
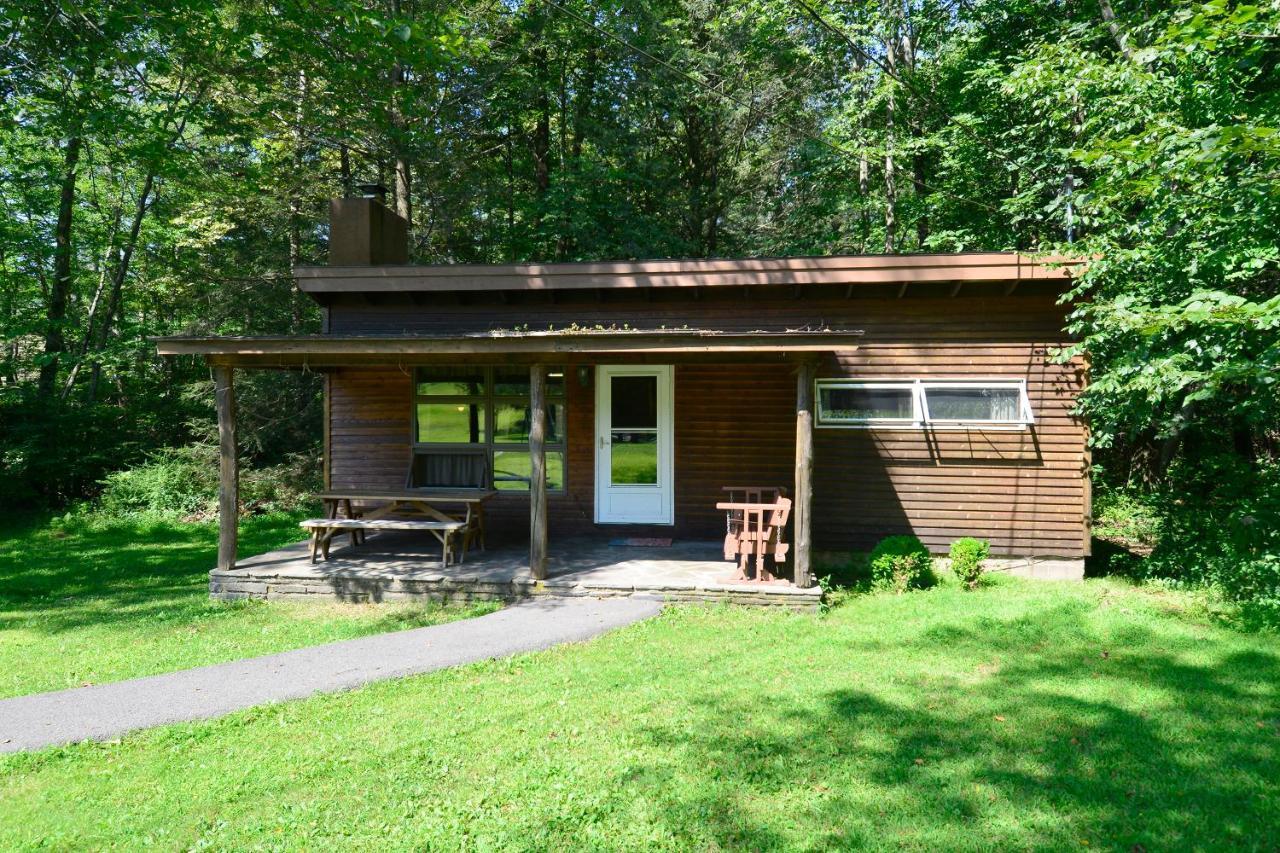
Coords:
1220,529
901,563
182,483
967,557
177,482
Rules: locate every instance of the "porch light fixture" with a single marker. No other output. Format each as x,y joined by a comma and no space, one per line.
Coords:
584,376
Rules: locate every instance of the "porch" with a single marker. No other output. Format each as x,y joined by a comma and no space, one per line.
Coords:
748,419
403,566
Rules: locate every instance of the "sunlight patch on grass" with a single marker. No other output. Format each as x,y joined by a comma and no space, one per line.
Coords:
87,602
1022,715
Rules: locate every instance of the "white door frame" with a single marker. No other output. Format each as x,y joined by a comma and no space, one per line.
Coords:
649,504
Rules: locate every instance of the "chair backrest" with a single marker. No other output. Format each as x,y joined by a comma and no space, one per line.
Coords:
462,469
754,494
778,517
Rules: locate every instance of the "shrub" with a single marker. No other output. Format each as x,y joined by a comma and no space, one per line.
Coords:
177,482
182,483
967,556
1216,526
901,563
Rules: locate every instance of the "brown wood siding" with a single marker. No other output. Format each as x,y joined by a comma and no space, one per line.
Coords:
1030,315
370,427
1024,491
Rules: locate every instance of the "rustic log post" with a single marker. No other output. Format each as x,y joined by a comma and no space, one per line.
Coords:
228,467
538,471
804,473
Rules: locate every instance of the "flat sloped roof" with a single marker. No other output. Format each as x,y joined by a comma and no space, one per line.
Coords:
327,350
828,270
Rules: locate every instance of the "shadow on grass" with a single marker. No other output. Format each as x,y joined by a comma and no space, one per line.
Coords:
1056,745
57,577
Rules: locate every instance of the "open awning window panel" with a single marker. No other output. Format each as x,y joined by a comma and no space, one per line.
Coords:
924,403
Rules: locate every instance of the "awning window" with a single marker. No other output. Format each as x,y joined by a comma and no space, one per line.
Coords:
924,403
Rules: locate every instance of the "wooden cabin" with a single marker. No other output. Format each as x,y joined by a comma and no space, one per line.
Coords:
886,394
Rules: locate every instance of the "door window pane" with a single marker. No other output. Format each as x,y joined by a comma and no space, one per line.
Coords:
633,458
451,381
512,470
974,404
451,423
864,404
634,402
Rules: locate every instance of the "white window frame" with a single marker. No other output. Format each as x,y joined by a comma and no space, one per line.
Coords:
1025,416
912,422
921,419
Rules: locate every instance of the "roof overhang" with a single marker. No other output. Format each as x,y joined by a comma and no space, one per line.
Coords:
844,270
342,350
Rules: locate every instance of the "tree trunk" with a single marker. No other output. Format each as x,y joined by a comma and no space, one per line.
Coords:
56,313
1109,15
344,169
890,180
118,275
919,180
401,177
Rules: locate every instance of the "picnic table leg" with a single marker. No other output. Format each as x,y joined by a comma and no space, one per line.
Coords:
315,543
357,536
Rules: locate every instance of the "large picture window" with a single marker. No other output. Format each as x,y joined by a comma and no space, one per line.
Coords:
924,403
471,428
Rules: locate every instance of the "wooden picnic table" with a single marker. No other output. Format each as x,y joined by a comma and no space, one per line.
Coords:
465,505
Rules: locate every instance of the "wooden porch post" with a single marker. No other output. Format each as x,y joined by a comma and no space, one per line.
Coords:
538,471
804,472
228,467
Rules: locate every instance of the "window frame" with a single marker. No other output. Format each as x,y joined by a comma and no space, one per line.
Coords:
912,422
489,446
1026,417
921,419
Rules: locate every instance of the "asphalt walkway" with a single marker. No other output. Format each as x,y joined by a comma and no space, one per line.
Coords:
105,711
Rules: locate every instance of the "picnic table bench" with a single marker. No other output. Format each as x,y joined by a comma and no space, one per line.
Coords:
324,529
454,516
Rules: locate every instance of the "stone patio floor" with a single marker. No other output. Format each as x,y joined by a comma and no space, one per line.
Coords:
403,565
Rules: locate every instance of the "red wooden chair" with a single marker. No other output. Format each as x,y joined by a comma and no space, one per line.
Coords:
757,529
733,518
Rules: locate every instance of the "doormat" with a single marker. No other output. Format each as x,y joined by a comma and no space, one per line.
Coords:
641,542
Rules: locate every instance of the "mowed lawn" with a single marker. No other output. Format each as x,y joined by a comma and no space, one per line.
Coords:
1023,715
88,603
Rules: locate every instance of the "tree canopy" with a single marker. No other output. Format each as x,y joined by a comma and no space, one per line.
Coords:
162,167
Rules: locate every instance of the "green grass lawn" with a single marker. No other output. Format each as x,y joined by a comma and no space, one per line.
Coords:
87,603
1022,715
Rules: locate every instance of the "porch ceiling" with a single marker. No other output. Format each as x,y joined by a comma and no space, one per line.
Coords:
340,350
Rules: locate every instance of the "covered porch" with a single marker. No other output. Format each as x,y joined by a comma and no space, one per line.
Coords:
395,565
401,566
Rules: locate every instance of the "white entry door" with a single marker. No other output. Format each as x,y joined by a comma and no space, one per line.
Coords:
635,461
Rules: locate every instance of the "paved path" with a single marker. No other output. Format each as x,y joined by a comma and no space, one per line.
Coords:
108,710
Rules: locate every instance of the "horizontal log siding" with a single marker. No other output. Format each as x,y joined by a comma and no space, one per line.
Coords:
976,319
1023,491
370,428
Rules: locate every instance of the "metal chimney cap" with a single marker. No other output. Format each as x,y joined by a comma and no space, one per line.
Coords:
377,191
